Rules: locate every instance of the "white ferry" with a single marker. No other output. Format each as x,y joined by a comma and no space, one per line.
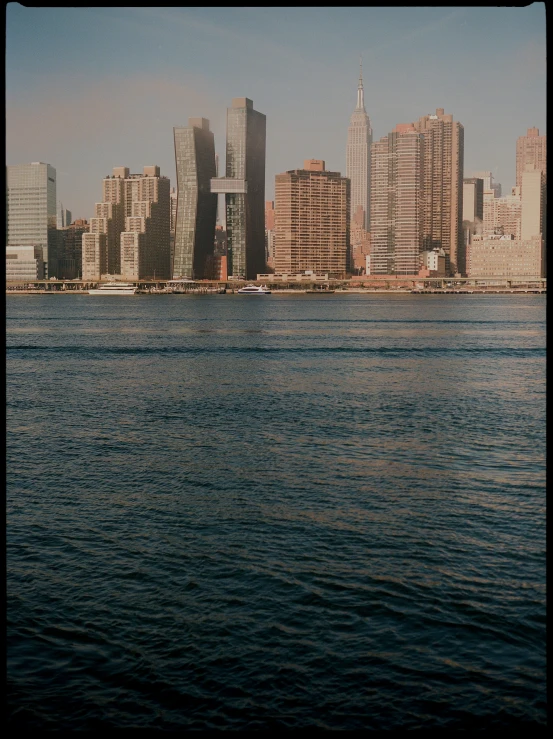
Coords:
254,290
114,288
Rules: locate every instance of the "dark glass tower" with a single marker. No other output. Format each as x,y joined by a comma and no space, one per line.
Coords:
244,188
196,204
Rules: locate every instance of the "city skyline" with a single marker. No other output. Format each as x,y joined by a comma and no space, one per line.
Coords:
139,91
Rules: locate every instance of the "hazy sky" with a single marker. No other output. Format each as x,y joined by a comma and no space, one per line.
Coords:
88,89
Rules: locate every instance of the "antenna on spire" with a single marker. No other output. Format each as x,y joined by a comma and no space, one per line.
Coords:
360,96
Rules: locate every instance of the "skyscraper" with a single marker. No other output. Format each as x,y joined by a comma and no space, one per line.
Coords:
358,157
397,210
443,155
196,205
531,153
31,210
312,208
244,189
63,217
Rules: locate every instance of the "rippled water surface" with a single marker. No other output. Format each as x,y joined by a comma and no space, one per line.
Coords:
279,511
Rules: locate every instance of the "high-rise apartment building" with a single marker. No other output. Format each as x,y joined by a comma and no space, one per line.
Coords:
397,206
196,208
31,210
129,234
101,246
531,153
244,189
145,242
312,210
70,248
443,155
358,158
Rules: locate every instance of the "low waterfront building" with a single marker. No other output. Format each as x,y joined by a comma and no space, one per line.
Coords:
307,276
24,263
504,256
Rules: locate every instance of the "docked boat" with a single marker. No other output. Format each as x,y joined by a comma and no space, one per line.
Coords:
254,290
114,288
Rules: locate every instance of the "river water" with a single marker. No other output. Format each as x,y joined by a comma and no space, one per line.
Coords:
276,511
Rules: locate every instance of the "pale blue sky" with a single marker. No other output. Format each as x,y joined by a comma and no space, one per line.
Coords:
93,88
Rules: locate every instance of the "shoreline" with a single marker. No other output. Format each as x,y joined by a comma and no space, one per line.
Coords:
366,291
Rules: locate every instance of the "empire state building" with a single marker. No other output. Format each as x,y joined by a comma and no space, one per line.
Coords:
358,156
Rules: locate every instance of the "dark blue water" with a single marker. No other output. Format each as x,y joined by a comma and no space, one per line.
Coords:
282,511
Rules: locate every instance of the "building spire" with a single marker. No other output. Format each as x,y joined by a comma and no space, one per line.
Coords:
360,93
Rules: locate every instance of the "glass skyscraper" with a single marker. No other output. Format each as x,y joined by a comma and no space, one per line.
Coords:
196,204
31,210
244,188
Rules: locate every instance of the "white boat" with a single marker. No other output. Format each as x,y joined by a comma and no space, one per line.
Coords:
254,290
114,288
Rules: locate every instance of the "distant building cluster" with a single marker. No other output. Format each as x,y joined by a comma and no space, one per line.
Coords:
404,207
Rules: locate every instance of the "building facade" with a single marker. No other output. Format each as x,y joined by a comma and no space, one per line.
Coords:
312,210
173,196
24,263
31,210
503,256
63,217
70,250
130,233
443,156
358,158
473,199
531,153
532,204
397,202
244,189
196,208
101,246
487,177
145,242
270,233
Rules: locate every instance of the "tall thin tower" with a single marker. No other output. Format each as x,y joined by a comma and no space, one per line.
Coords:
358,158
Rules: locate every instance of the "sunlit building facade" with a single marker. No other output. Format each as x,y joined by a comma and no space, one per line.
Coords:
312,209
531,153
31,210
244,189
145,242
443,158
358,158
397,202
24,263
